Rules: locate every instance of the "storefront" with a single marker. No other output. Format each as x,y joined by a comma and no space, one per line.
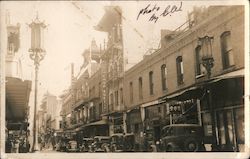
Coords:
17,111
226,108
218,105
116,122
98,128
135,125
154,118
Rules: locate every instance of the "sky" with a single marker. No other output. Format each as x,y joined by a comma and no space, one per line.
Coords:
70,31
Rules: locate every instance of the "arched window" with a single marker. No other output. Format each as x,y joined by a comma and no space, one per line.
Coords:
180,70
151,84
131,92
226,50
164,77
140,88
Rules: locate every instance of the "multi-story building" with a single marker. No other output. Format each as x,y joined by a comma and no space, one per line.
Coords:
51,112
112,68
17,89
66,109
172,85
86,107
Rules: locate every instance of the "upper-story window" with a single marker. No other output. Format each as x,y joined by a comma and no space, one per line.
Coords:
131,92
121,96
199,67
111,101
226,50
164,77
140,88
180,70
151,83
116,98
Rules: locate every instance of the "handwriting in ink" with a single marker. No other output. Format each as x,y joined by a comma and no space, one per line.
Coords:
147,10
156,12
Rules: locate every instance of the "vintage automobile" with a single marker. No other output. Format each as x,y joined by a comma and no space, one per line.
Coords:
62,145
129,140
117,142
122,142
100,144
86,143
182,137
72,146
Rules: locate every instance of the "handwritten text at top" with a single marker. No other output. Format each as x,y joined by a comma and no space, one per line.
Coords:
155,12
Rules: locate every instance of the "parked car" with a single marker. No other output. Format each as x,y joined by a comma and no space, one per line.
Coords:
182,137
63,144
117,142
72,146
100,144
86,143
129,140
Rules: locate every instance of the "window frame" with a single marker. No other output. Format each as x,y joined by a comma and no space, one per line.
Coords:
164,77
226,50
131,92
151,82
140,85
180,70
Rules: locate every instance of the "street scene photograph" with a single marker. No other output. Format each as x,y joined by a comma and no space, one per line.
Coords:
137,77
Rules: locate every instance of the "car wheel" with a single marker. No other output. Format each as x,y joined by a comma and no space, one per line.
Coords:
170,148
191,145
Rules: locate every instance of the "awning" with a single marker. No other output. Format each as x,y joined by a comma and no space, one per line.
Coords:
18,126
97,123
17,98
234,74
152,103
195,87
187,90
79,103
114,113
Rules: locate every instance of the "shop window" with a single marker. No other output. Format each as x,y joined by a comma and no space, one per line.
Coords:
131,92
164,77
140,88
240,125
226,50
222,135
151,84
180,70
207,124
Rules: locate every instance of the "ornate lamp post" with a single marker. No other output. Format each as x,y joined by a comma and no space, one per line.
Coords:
37,54
208,62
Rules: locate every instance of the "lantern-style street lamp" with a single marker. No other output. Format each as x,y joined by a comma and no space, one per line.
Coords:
37,54
206,51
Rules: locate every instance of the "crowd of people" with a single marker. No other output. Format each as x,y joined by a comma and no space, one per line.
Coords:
17,145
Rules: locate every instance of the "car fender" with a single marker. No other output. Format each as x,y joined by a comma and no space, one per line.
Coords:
173,145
